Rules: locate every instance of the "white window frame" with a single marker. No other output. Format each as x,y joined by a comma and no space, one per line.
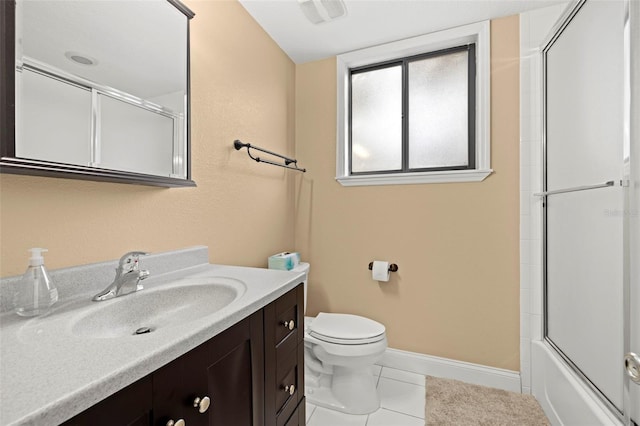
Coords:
478,33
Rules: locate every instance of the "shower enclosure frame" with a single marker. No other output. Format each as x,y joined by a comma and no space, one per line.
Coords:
564,21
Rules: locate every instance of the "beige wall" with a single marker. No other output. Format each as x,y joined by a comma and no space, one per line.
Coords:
242,87
456,294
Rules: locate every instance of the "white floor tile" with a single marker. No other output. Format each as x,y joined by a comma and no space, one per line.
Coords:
309,409
403,376
384,417
324,417
402,397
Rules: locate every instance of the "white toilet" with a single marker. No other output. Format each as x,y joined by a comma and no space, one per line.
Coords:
339,353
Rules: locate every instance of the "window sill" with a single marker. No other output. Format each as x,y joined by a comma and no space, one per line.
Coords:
415,178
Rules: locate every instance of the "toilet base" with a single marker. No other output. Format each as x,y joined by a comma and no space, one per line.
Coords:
351,391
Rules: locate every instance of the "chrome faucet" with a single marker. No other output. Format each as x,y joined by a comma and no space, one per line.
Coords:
127,279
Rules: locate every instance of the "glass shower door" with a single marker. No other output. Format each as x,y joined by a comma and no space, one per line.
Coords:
584,198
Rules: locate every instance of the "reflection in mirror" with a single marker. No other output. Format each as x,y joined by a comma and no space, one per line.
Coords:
103,85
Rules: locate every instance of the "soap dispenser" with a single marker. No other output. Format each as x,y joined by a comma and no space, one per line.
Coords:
36,293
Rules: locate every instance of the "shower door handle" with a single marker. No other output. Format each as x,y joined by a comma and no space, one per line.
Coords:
632,366
579,188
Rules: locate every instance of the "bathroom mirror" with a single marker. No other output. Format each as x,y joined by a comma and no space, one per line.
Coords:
96,90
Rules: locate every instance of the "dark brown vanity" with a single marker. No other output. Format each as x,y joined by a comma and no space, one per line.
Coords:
250,374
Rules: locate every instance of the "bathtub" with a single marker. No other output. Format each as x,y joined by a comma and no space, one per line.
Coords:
565,399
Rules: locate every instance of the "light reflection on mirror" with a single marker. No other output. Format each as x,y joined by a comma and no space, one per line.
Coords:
102,84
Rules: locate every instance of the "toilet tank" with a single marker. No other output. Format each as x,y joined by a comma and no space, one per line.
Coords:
303,267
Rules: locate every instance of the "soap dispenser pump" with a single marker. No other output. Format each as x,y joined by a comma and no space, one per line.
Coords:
36,293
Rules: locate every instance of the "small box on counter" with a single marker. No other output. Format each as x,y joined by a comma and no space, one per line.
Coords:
284,261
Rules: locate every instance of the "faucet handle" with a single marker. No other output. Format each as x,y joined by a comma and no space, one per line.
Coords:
129,261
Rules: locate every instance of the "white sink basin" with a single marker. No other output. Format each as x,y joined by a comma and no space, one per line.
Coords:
157,308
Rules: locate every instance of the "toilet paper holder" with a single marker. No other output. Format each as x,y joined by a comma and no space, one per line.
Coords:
392,267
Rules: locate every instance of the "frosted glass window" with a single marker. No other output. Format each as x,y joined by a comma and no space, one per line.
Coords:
412,114
376,120
135,139
438,111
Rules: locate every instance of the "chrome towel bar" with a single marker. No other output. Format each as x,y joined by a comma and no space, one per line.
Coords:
578,188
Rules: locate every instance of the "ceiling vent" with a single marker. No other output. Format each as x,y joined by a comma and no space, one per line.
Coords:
319,11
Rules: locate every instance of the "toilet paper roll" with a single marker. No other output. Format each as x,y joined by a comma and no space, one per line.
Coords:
380,270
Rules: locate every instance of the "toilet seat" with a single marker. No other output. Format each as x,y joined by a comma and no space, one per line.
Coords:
346,329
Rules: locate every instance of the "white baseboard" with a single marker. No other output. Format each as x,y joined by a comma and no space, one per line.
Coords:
452,369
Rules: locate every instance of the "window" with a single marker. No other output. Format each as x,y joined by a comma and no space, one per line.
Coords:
415,114
415,111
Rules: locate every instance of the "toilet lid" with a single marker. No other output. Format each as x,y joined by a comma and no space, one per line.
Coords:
346,329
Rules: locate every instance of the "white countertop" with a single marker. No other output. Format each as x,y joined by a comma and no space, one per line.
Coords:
49,374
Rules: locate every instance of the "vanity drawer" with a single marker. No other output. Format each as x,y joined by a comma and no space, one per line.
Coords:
286,379
298,418
286,323
289,371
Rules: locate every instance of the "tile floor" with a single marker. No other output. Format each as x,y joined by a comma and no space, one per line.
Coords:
402,398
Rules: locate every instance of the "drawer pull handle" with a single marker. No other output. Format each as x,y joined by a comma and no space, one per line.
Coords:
290,389
202,404
291,324
180,422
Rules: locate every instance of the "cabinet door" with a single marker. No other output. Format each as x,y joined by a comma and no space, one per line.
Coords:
176,385
228,370
235,377
129,407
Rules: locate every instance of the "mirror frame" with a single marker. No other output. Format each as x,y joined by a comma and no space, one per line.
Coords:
9,163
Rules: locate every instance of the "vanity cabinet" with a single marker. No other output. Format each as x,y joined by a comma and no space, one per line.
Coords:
284,349
217,383
250,374
130,406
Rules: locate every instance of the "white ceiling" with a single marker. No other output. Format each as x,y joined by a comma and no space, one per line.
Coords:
137,44
372,22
